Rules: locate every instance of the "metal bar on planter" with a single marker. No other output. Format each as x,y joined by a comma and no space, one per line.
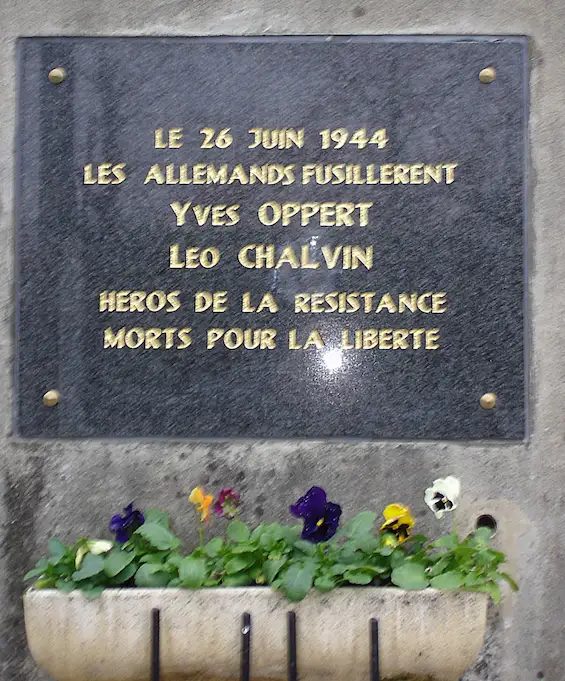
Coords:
155,644
245,667
375,662
292,666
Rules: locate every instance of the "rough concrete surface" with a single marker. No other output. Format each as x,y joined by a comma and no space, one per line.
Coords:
71,488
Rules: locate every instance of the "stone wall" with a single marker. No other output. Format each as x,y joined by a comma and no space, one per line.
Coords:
71,487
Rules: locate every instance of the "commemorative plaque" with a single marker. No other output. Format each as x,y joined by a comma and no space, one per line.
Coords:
298,237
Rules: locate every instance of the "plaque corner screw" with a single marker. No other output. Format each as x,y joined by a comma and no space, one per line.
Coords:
488,401
487,75
51,398
57,75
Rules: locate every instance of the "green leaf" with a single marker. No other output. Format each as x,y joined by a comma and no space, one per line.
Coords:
492,589
65,585
482,535
158,536
157,557
45,583
91,565
213,547
338,569
397,558
246,547
324,583
241,579
174,560
126,574
150,575
446,542
209,582
447,580
92,592
297,581
305,546
239,563
157,517
271,568
267,541
358,577
473,578
410,576
56,548
440,566
508,578
360,524
367,543
238,532
387,550
192,572
257,532
116,561
36,572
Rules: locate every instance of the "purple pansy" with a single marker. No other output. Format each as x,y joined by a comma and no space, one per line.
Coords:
227,505
123,526
321,517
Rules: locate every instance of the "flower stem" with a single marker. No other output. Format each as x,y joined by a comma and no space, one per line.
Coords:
453,525
201,535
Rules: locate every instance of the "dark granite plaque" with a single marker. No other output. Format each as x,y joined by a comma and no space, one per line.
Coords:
356,204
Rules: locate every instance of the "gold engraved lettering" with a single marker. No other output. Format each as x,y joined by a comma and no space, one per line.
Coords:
407,301
449,172
135,338
114,340
399,339
149,339
170,140
193,257
267,302
215,300
432,338
155,174
385,339
138,301
417,335
326,214
285,138
439,302
250,339
180,210
104,173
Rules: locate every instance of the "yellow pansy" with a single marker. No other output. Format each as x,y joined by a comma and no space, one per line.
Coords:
202,502
398,521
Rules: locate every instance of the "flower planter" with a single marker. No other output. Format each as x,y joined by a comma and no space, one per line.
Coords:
422,633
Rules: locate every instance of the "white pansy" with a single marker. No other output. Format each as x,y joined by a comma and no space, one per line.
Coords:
443,495
98,546
94,546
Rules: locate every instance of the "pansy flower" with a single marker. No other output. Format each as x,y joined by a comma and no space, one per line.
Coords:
123,526
201,502
443,495
93,546
398,521
321,517
227,505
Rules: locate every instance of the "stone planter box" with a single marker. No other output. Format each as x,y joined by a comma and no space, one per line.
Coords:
435,633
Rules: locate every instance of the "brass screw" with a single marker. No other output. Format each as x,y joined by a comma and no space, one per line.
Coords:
487,75
488,401
51,398
57,75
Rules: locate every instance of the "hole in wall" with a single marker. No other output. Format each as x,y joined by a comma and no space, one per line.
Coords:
487,521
